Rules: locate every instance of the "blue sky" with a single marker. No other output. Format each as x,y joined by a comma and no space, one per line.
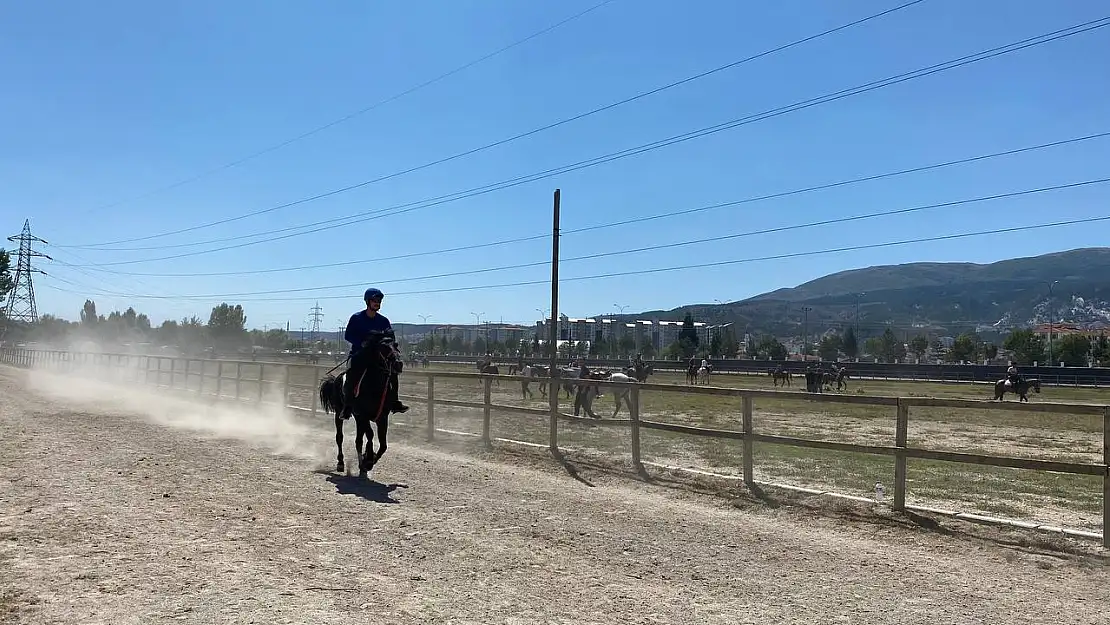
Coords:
105,102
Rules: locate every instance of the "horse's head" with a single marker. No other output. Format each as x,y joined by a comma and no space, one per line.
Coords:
381,351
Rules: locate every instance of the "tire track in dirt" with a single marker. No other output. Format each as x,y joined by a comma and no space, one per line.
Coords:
129,512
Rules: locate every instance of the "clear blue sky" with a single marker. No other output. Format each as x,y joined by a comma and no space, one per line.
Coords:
107,101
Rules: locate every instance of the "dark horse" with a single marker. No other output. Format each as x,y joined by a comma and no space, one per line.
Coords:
1021,388
371,404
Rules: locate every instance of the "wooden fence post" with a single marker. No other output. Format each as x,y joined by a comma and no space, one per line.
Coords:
901,434
1106,478
747,408
261,377
487,400
219,379
634,417
238,379
285,386
431,432
315,394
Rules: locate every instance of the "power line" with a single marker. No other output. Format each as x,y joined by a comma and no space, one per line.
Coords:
702,265
355,114
625,222
523,134
906,76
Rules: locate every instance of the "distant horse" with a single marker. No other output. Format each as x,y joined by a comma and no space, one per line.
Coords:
1020,389
703,374
841,379
620,394
490,369
640,373
782,374
692,374
424,361
370,405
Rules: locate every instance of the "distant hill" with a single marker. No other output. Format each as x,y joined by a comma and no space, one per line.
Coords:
935,298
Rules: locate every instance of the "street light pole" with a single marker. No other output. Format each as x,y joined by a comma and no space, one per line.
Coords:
477,324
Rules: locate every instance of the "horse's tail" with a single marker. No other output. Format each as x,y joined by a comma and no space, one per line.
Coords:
331,394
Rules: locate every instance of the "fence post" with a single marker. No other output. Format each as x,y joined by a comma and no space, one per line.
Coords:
634,417
219,379
553,385
747,408
901,434
238,379
1106,477
315,390
285,386
261,377
431,433
486,409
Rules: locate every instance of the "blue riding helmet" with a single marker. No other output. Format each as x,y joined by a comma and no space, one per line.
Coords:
373,293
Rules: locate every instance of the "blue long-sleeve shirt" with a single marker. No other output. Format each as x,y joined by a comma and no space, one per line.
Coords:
361,325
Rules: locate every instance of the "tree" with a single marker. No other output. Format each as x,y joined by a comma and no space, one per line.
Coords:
689,333
886,347
729,345
1025,345
1072,349
769,348
88,314
829,347
1102,351
5,273
990,351
966,347
227,324
849,344
919,345
715,344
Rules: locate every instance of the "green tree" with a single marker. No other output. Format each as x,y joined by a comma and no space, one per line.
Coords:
885,347
88,314
829,347
227,324
1025,345
689,333
770,348
730,346
716,343
1102,351
849,343
966,347
990,351
1072,349
919,345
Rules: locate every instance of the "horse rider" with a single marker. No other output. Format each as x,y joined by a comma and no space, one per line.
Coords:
580,397
1012,375
360,328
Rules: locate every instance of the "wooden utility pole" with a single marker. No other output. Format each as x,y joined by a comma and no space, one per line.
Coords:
553,333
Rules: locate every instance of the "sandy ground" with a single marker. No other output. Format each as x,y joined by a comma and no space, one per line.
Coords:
152,510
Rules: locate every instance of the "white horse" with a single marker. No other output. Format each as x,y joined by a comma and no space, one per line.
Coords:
621,393
703,374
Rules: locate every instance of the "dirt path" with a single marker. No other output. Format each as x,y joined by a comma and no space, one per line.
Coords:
119,513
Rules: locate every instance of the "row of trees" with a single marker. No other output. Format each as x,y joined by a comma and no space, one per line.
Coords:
225,328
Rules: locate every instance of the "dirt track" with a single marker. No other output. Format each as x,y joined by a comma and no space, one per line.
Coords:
117,513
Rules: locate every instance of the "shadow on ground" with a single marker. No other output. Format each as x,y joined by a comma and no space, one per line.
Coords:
370,490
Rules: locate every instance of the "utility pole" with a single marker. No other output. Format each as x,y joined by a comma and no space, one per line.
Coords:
21,301
553,332
805,334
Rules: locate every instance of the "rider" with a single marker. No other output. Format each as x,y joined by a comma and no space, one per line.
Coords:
1012,374
359,328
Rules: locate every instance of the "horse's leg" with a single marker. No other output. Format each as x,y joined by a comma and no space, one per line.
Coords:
383,431
340,467
360,435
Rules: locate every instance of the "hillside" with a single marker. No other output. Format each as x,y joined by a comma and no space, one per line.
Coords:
933,297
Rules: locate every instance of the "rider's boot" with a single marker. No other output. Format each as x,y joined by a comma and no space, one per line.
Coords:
398,407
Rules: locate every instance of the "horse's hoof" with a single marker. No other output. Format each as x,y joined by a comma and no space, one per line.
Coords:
362,474
340,467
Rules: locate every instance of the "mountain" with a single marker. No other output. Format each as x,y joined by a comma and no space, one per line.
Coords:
934,298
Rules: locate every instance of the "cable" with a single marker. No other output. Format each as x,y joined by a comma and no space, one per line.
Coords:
652,248
353,115
1026,43
649,248
521,135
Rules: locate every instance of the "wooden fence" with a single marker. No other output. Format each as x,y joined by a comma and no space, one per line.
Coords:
179,372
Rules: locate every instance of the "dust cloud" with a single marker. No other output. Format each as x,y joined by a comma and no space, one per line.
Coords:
266,426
